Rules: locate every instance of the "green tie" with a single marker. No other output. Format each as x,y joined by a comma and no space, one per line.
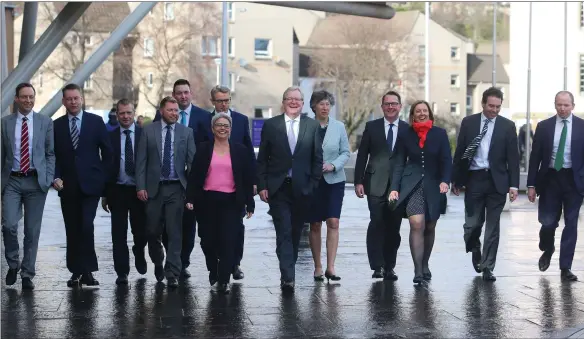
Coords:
559,162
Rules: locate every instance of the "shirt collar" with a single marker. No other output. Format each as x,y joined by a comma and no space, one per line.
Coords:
79,116
20,116
164,124
569,118
187,110
288,119
484,117
132,128
387,123
228,112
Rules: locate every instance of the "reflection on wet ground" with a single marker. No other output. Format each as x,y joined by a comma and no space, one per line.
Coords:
523,302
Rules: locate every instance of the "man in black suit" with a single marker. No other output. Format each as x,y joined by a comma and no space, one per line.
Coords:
120,196
83,160
289,166
486,162
221,99
555,174
373,173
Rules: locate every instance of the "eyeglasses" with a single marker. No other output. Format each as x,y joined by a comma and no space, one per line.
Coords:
294,99
224,101
391,104
226,126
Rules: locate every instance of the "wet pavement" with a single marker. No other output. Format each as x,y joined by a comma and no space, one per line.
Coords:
523,302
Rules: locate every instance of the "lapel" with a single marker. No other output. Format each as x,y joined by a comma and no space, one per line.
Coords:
177,136
381,130
138,133
158,138
496,132
576,126
301,132
36,133
284,132
83,130
117,142
11,128
328,134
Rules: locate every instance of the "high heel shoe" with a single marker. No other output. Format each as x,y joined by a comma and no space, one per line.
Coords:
332,277
427,275
418,280
319,277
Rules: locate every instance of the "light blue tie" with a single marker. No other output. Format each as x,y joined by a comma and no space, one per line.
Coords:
183,118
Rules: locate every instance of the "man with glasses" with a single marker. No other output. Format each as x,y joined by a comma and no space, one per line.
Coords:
83,160
373,172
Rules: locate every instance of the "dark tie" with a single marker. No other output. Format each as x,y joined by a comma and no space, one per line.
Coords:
471,150
74,132
129,165
559,162
390,138
166,158
24,152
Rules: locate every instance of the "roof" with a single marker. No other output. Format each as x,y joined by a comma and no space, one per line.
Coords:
502,49
341,29
100,17
480,69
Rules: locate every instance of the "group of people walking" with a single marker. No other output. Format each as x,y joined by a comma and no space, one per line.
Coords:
193,167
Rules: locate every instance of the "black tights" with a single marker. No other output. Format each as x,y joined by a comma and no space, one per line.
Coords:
422,236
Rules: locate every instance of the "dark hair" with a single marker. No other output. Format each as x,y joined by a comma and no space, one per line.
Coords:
181,82
166,100
413,110
396,94
70,87
565,92
21,86
492,92
122,101
319,96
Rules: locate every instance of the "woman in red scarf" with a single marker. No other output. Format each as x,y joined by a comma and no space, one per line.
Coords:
420,181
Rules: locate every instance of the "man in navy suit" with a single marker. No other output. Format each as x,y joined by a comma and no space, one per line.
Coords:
193,117
83,155
221,99
555,168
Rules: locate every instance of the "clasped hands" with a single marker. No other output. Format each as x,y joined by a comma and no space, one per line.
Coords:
394,195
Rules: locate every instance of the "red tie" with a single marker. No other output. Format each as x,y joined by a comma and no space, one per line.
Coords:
24,156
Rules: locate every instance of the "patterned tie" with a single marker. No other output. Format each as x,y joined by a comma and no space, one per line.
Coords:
129,165
471,150
559,162
166,158
24,152
74,132
390,138
183,118
291,141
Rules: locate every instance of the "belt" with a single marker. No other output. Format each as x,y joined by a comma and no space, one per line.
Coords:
31,173
481,170
169,182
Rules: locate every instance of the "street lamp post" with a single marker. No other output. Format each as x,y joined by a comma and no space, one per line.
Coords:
224,44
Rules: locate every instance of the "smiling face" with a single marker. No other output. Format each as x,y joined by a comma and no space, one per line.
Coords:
169,113
391,107
322,109
492,107
221,129
293,103
25,100
421,112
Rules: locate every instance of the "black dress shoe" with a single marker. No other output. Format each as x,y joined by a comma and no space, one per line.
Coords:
27,284
89,280
122,279
378,273
390,275
287,286
330,276
75,280
172,282
213,278
185,273
545,259
238,273
567,275
223,288
488,275
11,276
159,273
140,261
476,260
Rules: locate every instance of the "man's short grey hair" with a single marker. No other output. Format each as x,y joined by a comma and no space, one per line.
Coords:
218,116
219,89
292,89
563,93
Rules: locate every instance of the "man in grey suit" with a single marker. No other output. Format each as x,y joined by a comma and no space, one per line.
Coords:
165,154
28,168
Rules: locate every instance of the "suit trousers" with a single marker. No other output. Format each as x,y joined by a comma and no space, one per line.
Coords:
240,239
22,191
383,238
165,211
219,233
560,190
483,202
189,232
287,213
79,212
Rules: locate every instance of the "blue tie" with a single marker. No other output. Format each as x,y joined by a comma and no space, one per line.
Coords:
390,138
130,168
166,158
183,118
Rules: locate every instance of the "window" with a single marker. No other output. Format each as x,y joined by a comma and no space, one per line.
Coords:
262,112
469,104
209,45
231,47
150,80
40,79
231,11
232,79
148,47
88,39
168,11
454,53
422,50
581,73
263,48
582,14
454,81
88,84
454,108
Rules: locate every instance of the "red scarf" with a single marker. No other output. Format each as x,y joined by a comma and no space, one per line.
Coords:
422,128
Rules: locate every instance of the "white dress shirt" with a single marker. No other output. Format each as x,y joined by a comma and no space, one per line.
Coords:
481,158
394,129
557,136
18,139
228,112
296,125
124,178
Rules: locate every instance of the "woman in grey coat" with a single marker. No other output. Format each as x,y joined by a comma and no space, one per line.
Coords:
328,197
420,182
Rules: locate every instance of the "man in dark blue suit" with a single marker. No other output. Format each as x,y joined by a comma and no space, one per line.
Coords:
221,99
83,158
193,117
555,168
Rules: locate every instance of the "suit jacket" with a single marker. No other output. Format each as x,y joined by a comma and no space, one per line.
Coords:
503,152
90,163
335,151
149,156
275,157
242,175
541,153
43,151
116,139
198,118
431,164
374,165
